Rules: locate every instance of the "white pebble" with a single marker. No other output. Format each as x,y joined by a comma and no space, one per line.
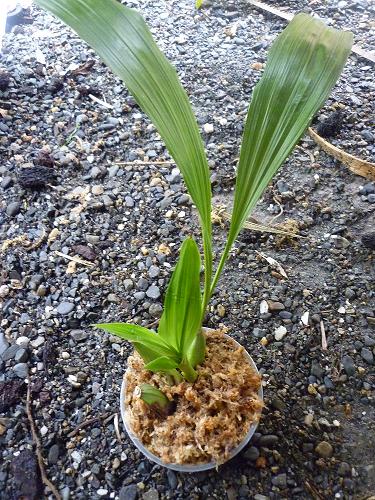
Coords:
98,189
23,341
263,307
208,128
280,332
305,318
37,342
43,430
4,290
76,456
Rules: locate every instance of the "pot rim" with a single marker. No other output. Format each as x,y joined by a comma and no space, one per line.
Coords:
186,467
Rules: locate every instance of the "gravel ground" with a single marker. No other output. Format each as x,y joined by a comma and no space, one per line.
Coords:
126,222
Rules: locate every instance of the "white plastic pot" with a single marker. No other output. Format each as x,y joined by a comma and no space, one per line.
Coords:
179,467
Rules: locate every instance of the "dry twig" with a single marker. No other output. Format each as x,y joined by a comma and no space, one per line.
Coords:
138,162
86,423
117,429
38,446
356,165
324,338
218,215
99,101
74,259
313,491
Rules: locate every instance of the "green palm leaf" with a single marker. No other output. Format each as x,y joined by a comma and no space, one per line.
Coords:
304,64
162,364
181,318
152,342
122,39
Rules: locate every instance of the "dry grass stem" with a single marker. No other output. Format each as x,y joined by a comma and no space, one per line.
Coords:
38,446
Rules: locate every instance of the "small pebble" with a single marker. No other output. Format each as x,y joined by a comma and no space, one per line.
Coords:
324,449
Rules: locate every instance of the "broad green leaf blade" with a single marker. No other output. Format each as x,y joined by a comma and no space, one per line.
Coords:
146,353
140,335
122,39
162,364
304,64
197,350
181,318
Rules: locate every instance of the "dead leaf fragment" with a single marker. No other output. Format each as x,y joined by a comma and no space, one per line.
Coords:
164,249
274,264
231,30
71,267
356,165
84,69
257,66
85,251
53,235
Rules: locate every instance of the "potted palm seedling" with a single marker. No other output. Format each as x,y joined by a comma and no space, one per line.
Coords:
191,398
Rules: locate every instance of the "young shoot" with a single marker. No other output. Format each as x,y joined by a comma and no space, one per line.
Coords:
303,65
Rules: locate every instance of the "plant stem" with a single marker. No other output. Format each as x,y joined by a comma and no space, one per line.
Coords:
188,371
220,267
207,251
177,378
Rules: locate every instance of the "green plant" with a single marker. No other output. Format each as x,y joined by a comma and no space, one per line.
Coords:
155,398
304,63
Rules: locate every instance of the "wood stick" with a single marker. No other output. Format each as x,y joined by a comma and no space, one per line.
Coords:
324,338
136,162
75,259
38,446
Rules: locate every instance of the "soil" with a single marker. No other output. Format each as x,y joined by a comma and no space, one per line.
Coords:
123,222
211,416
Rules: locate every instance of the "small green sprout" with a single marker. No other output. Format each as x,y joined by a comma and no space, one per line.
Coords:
154,398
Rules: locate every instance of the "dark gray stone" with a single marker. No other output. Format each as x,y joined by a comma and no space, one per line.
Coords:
316,370
128,284
268,440
4,344
65,308
252,453
367,355
10,352
79,335
21,355
344,469
13,208
128,492
172,479
348,364
279,480
369,342
53,454
21,370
